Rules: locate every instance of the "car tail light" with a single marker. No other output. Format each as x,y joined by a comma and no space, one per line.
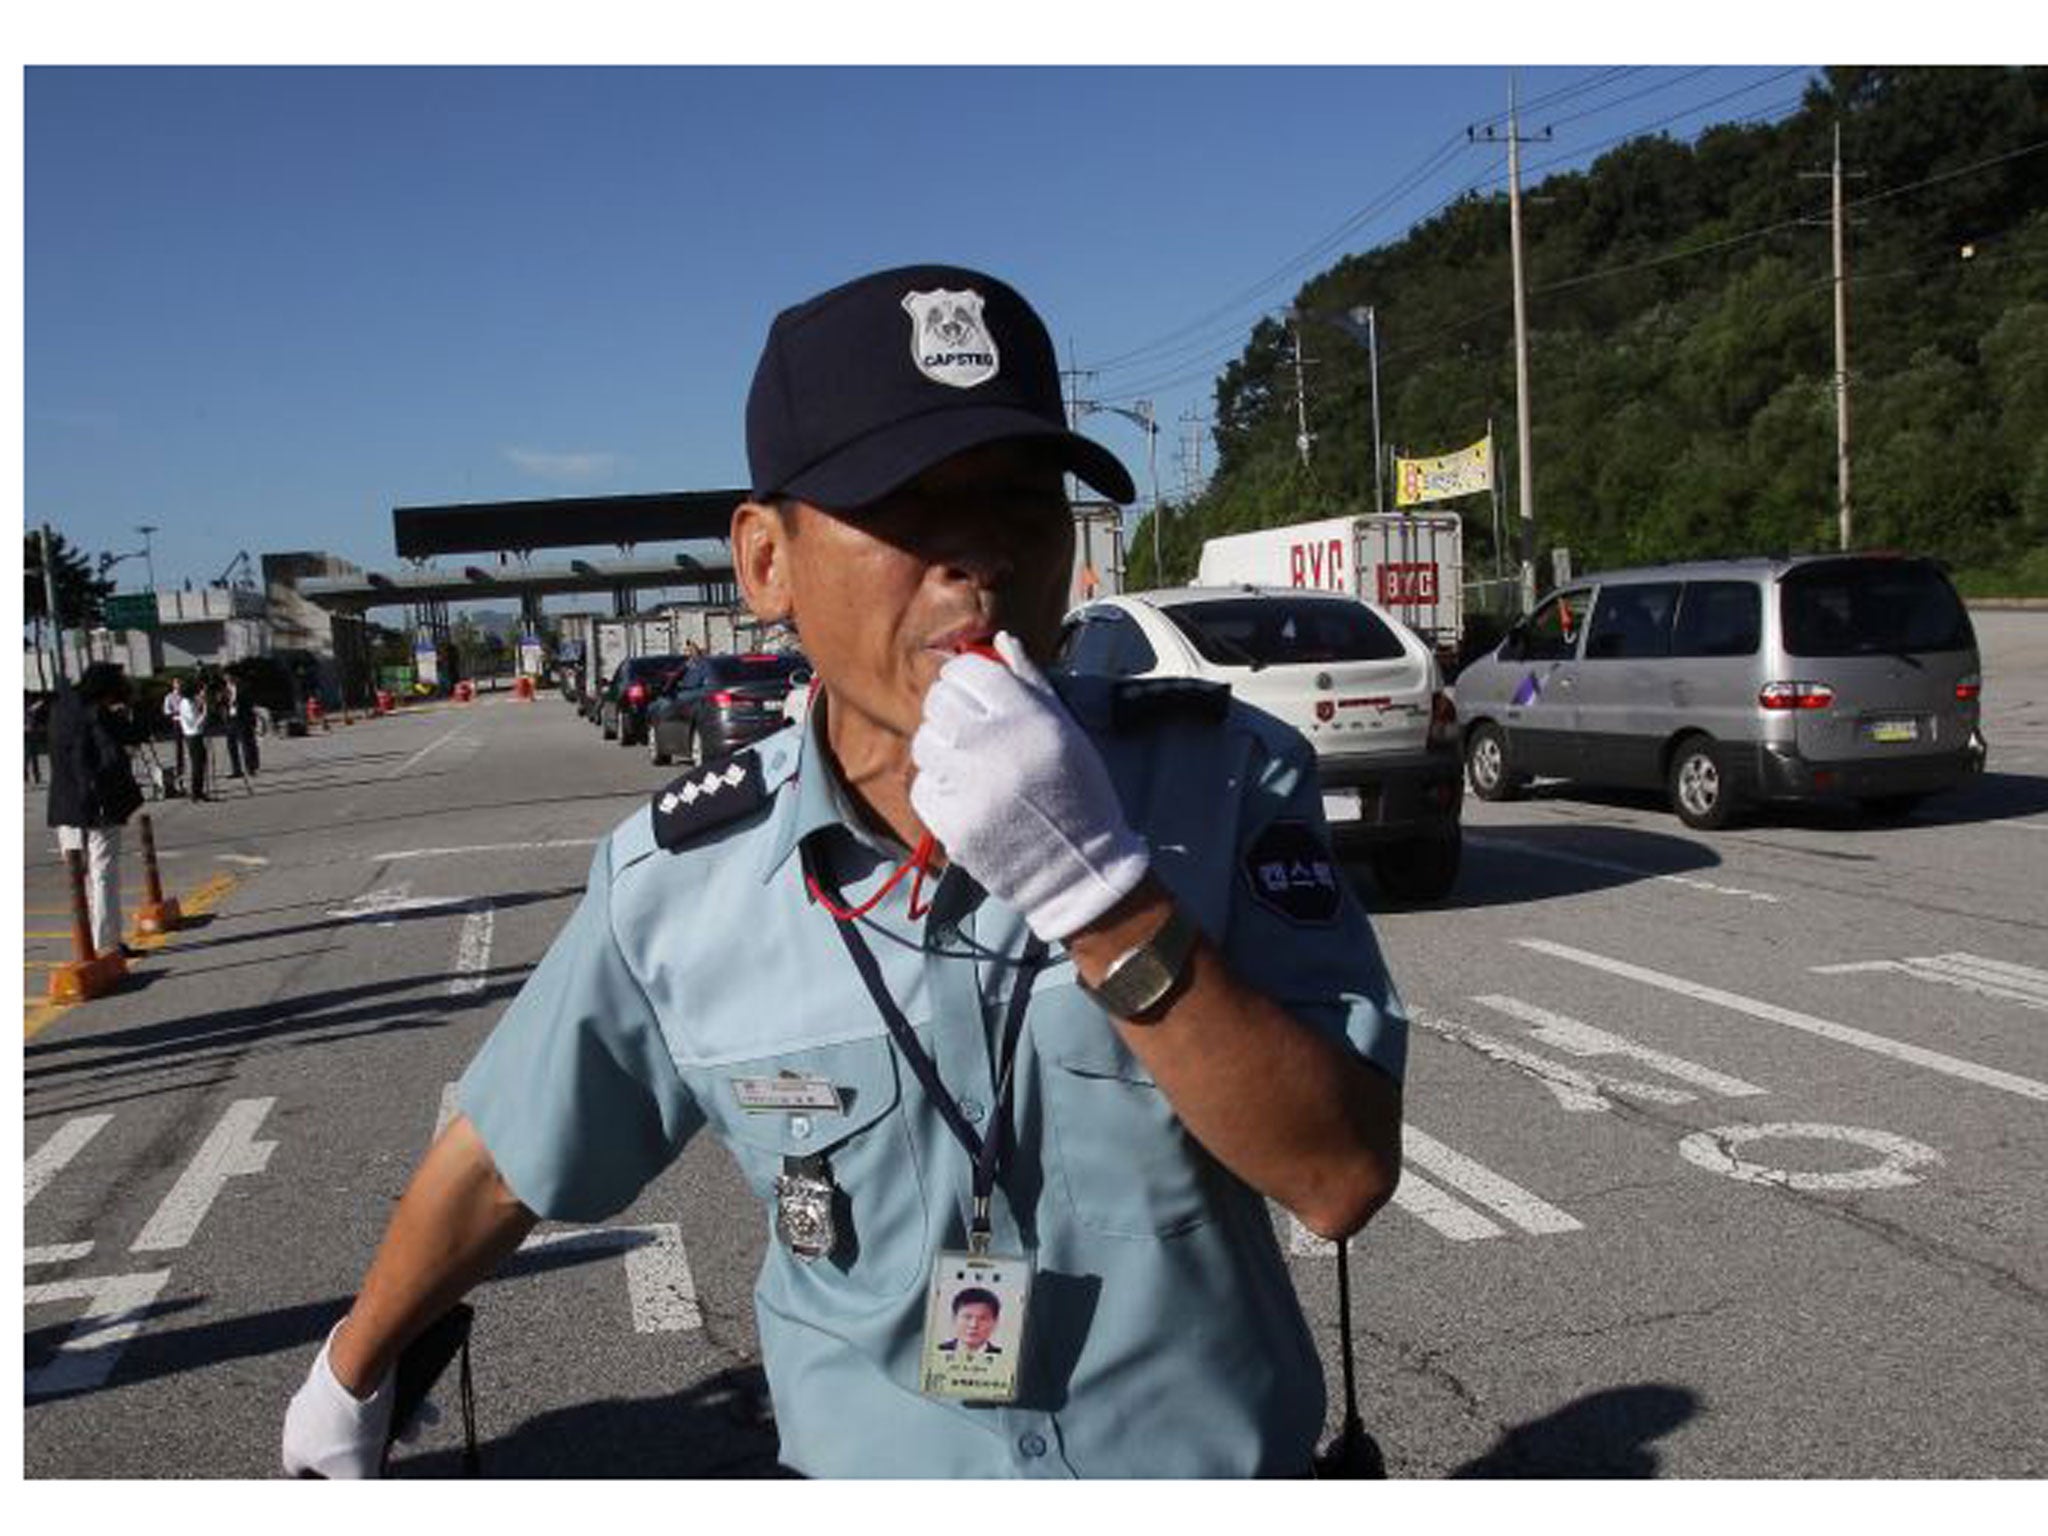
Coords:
1325,711
637,694
1795,696
1970,689
1443,720
723,698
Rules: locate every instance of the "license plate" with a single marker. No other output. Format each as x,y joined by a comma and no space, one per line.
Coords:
1341,805
1894,730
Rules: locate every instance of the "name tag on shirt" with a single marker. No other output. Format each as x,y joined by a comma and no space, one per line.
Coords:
785,1094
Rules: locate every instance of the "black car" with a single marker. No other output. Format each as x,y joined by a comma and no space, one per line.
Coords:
622,709
719,703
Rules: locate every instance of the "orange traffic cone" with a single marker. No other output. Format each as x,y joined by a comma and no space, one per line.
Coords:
90,975
156,914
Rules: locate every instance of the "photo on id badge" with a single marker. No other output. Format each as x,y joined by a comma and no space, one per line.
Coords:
974,1327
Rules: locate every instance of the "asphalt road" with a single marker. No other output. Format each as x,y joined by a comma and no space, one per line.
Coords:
1727,1156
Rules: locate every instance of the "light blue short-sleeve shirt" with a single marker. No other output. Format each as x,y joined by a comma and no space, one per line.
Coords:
1164,1338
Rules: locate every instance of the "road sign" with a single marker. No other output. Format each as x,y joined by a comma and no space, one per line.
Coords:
130,610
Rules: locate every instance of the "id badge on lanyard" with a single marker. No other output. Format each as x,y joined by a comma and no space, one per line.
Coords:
974,1327
975,1304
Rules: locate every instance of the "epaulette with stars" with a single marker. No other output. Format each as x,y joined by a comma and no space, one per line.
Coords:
709,796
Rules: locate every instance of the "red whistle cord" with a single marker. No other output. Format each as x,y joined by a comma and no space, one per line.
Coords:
919,861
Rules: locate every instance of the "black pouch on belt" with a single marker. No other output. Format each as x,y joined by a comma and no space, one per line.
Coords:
1353,1454
420,1365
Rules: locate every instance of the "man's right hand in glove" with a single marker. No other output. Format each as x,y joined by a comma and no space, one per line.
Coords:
329,1431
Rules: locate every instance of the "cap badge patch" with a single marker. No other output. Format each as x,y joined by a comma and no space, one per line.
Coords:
948,341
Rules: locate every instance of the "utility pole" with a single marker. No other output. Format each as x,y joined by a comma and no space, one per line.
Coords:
148,561
1189,453
1151,423
1525,464
1367,316
1302,439
1841,350
1071,376
1839,221
50,606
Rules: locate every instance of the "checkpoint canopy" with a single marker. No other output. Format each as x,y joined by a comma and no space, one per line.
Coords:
517,528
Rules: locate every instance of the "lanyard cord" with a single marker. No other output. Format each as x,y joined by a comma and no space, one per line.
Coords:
986,1152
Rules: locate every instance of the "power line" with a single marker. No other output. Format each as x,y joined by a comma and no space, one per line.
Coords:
1648,90
1380,204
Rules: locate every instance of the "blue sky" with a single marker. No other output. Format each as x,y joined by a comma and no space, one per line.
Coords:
263,306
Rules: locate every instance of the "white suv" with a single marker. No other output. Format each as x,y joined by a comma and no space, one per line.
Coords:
1356,682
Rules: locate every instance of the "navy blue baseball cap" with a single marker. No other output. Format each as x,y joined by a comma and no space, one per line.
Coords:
868,385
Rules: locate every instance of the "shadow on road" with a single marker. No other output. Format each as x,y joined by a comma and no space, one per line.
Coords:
317,1018
1611,1433
454,907
1990,796
160,1351
1543,861
722,1427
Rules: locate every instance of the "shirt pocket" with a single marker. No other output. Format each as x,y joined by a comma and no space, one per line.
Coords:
878,1207
1128,1166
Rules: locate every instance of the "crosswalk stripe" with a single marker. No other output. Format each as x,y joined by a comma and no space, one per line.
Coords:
1478,1182
1430,1205
51,1158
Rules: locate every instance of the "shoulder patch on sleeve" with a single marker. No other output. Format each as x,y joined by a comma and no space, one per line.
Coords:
1139,702
708,797
1291,872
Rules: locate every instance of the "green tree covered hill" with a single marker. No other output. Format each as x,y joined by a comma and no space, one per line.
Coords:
1682,345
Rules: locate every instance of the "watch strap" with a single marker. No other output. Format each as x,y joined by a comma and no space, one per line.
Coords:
1141,977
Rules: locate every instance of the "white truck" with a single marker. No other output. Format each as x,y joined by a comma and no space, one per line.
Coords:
1410,563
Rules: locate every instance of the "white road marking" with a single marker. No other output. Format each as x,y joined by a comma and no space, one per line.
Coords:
237,858
56,1253
113,1316
1482,1184
449,1110
658,1281
439,741
1580,1039
1972,973
383,905
1713,1150
1430,1205
442,853
1991,978
1614,866
1576,1091
227,1153
1842,1034
50,1158
473,950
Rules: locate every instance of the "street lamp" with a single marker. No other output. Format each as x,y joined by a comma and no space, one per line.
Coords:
1361,324
1142,413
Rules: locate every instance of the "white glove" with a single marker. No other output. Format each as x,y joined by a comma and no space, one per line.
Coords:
330,1432
1018,796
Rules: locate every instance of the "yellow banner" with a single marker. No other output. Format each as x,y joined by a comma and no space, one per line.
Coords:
1455,474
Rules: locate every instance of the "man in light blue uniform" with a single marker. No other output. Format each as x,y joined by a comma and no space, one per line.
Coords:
1062,983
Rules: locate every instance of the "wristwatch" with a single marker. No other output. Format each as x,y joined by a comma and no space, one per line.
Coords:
1140,978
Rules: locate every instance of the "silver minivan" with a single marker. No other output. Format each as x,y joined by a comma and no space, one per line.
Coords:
1724,682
